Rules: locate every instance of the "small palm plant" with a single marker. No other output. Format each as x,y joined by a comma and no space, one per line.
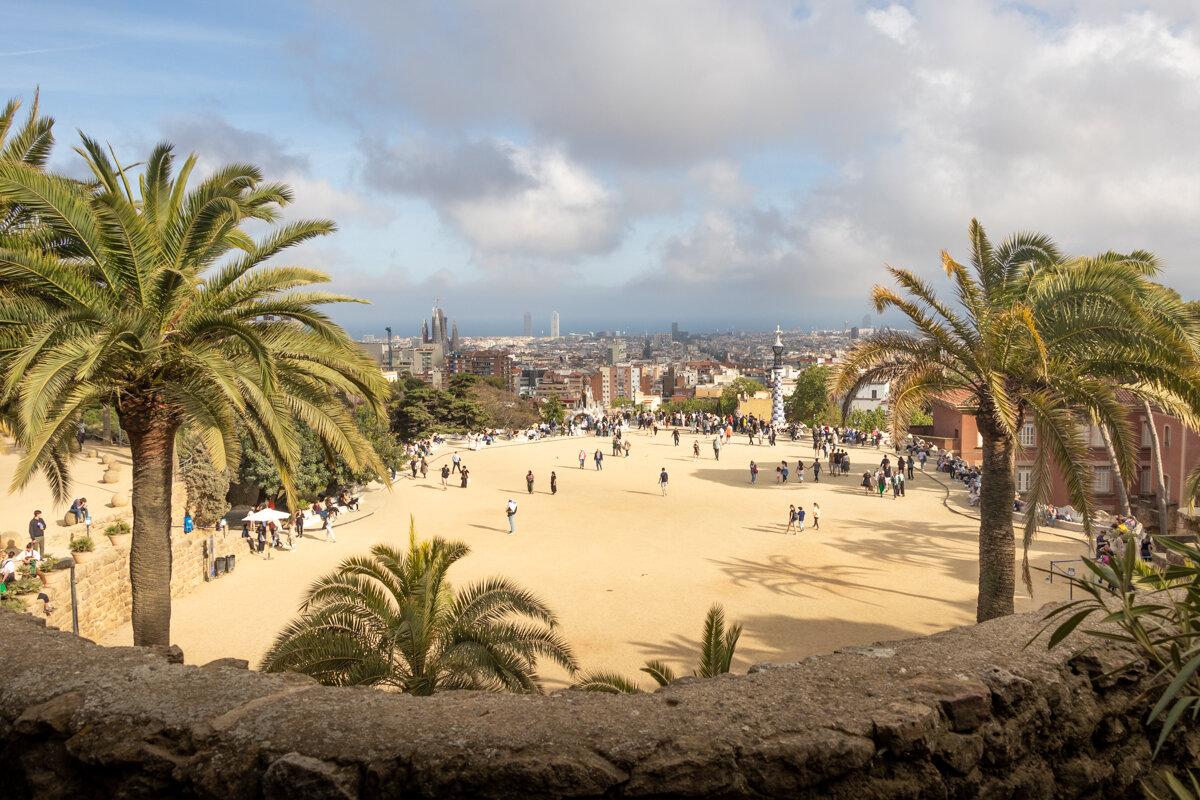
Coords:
716,658
392,620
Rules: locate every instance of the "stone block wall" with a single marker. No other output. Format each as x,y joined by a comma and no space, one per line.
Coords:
102,584
966,713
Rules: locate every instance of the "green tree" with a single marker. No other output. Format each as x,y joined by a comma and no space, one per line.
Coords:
553,410
731,394
392,619
503,408
1033,333
810,401
207,485
28,146
717,644
863,420
157,302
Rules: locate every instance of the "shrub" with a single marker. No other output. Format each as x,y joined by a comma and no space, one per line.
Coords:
117,528
82,544
12,602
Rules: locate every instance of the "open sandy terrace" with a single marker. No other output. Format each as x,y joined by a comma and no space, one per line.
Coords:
631,573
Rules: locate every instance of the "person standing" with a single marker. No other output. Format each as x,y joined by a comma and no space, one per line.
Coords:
599,459
37,525
464,477
424,467
783,471
414,466
675,436
80,433
512,516
457,459
627,448
800,519
529,481
900,482
328,527
297,524
553,483
582,458
791,520
717,447
753,472
445,475
695,450
910,468
816,471
662,480
816,517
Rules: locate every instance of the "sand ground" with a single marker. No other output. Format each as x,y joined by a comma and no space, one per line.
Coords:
629,572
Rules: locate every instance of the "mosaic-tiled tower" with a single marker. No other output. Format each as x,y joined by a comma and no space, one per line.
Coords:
777,380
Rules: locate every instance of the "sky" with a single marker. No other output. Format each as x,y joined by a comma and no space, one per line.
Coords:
716,163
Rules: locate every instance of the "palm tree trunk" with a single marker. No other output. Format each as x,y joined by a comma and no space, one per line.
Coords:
106,429
1122,494
151,439
1156,457
997,545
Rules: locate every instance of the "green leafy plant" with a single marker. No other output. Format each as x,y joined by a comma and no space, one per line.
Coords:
717,644
1157,612
82,544
12,602
117,528
26,586
392,619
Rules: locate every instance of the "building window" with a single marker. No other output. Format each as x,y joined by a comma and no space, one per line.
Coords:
1167,438
1024,476
1097,439
1026,437
1101,480
1147,486
1146,437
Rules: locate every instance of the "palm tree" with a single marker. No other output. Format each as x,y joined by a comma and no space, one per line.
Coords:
29,145
391,619
716,658
1032,333
159,304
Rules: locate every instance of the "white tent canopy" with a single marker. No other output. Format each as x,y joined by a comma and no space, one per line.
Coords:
266,515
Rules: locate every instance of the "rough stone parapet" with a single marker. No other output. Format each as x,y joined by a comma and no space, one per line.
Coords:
965,713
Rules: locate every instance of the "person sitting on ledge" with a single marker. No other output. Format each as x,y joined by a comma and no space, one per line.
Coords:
349,502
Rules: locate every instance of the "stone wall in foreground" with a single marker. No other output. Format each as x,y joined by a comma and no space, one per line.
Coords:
966,713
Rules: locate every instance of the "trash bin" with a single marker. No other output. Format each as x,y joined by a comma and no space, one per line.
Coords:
218,566
230,562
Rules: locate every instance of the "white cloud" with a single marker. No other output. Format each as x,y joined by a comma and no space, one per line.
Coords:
894,22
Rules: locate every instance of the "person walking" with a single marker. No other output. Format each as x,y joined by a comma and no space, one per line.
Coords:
529,481
424,467
791,520
464,477
881,482
816,514
784,471
816,471
512,516
457,459
327,527
627,448
866,482
753,472
445,475
599,459
800,519
553,483
662,480
900,482
717,448
80,433
582,458
412,463
910,468
695,450
675,436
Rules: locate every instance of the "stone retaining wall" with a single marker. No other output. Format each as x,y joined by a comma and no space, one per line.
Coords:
965,713
102,584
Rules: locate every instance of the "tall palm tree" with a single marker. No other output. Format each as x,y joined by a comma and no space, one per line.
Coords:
157,302
29,144
1032,333
392,619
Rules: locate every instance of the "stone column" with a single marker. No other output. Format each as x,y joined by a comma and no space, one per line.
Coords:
777,380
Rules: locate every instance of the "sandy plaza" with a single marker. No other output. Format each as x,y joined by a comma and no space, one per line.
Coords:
630,572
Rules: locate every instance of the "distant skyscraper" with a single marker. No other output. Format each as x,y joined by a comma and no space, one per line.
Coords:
554,334
866,320
528,324
674,331
436,331
454,335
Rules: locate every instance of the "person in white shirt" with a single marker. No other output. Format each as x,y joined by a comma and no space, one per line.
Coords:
8,568
512,514
33,558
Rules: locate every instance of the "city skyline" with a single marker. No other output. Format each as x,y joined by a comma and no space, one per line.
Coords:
720,163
